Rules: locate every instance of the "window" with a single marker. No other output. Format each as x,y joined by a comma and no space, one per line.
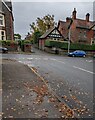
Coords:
85,34
1,20
2,35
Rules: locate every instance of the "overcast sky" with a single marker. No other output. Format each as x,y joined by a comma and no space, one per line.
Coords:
27,12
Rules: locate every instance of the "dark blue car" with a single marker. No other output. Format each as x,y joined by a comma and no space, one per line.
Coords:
3,50
77,53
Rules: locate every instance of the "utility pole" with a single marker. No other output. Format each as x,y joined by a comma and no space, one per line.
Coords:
69,40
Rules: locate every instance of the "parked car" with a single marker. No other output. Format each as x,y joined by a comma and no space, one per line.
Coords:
77,53
3,50
93,56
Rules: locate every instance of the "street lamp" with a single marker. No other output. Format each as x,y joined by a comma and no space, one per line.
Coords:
69,34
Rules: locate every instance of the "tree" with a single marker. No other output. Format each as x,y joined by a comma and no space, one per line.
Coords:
17,36
41,26
35,36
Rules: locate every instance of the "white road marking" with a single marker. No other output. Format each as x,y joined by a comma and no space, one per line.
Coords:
58,61
84,70
20,61
89,61
29,58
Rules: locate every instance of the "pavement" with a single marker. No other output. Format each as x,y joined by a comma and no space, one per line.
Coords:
26,95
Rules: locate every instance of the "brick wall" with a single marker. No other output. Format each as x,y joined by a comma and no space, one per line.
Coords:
41,44
27,48
8,23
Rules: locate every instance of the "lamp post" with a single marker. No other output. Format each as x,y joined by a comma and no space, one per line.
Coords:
69,40
69,34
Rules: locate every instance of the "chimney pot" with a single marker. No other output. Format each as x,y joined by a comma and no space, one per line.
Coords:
74,13
87,17
67,19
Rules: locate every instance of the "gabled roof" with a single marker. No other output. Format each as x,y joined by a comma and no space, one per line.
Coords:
6,5
82,24
92,27
49,31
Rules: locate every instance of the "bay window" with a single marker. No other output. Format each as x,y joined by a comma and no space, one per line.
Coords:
2,35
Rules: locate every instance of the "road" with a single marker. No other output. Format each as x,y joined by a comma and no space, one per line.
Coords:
70,78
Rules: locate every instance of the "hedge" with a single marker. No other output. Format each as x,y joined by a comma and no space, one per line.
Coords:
26,41
73,46
7,42
83,47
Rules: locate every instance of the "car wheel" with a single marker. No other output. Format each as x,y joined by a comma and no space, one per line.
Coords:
3,51
84,56
73,55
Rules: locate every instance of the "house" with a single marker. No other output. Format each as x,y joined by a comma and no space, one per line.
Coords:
6,20
92,28
51,34
28,36
80,30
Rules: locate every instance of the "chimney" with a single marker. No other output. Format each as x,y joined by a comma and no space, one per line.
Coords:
67,19
87,17
74,13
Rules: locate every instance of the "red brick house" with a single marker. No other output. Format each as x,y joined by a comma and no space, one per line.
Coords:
6,21
80,30
92,28
51,34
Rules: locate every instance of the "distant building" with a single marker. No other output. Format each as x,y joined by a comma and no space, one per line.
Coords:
28,36
6,20
51,34
16,38
80,30
92,28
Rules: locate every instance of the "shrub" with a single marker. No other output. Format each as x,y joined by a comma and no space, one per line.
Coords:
2,42
8,42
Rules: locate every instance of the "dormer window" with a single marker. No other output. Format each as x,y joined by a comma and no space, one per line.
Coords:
2,20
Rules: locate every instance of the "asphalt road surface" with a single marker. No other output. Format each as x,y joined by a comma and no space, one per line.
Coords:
71,78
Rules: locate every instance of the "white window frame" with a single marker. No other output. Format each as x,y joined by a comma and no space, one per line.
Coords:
2,20
85,34
2,35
